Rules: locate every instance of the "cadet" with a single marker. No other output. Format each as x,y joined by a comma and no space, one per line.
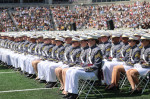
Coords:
47,51
123,51
113,56
31,51
40,54
72,60
133,58
57,57
106,45
88,70
83,56
143,67
68,48
138,35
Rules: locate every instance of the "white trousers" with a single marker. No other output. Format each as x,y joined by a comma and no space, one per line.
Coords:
50,71
142,71
107,70
73,75
41,69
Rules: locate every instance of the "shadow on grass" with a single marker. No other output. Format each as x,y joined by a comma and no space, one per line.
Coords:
115,94
3,67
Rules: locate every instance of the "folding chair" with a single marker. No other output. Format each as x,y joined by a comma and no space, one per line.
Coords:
88,84
144,80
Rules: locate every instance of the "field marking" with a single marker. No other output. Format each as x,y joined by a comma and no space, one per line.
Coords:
6,72
24,90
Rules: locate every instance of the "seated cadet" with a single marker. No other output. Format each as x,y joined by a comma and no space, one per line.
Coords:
23,57
133,57
36,55
68,48
30,53
52,58
121,57
50,68
42,63
35,62
24,51
109,60
84,47
143,67
19,51
88,70
71,61
15,54
9,52
57,57
100,43
138,35
106,45
11,40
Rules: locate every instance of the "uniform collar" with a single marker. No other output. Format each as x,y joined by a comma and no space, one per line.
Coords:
60,45
76,47
125,43
106,42
134,46
100,43
145,47
93,46
85,47
47,44
117,43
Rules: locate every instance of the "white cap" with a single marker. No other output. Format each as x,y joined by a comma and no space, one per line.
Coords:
59,39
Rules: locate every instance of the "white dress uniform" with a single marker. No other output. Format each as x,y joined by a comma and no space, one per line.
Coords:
88,70
42,67
83,57
108,65
42,63
57,55
144,66
134,57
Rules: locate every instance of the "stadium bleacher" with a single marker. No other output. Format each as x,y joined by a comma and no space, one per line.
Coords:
42,18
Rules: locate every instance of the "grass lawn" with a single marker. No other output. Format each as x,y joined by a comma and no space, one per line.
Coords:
16,81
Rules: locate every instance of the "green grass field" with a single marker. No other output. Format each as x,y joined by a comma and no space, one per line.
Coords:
11,80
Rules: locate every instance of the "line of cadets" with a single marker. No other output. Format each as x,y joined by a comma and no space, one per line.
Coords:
71,57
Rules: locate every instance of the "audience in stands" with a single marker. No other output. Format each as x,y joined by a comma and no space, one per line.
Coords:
136,15
6,24
33,18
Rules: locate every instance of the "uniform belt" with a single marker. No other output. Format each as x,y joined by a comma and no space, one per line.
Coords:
90,65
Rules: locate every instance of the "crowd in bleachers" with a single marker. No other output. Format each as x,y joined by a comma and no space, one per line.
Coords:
124,16
136,15
6,22
33,18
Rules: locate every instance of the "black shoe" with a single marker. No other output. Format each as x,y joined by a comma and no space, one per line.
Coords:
67,96
136,92
19,69
26,73
9,67
113,88
33,76
42,81
73,96
21,72
15,69
50,85
29,75
12,67
61,94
